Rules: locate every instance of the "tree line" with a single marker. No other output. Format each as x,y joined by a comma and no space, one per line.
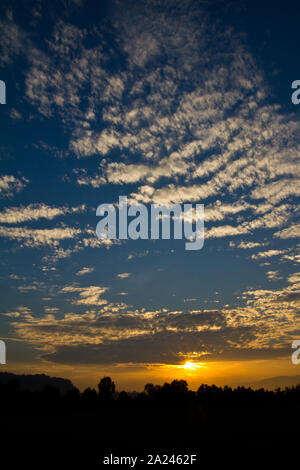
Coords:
175,393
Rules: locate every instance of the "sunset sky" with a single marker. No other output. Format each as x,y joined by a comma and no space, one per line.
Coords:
162,101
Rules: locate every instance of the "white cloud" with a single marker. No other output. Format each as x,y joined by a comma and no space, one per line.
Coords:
123,275
274,275
248,245
295,258
90,295
84,271
225,231
13,39
181,136
9,184
51,310
39,237
267,254
291,232
15,215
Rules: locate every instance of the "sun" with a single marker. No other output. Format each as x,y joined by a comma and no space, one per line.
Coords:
190,366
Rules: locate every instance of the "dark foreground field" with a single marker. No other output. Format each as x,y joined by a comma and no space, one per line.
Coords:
220,425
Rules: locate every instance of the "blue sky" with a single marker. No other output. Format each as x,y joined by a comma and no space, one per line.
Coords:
164,102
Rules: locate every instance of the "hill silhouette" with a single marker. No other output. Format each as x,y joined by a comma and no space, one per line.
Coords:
37,382
271,383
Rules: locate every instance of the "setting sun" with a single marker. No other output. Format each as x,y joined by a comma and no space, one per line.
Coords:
190,366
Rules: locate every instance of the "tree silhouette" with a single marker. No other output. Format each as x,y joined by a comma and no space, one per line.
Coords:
89,398
106,388
179,386
151,390
123,397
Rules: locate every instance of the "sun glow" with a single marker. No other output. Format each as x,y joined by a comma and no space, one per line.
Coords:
191,366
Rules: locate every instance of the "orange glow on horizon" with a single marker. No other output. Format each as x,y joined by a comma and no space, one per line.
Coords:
134,376
192,366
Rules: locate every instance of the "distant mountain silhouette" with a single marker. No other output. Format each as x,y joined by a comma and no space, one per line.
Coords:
281,381
37,382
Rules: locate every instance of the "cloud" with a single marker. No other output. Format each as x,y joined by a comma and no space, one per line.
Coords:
16,277
39,237
88,295
51,310
274,275
90,240
123,275
180,136
34,286
15,215
249,245
219,211
173,135
84,271
225,231
295,258
154,337
21,311
15,114
9,184
59,73
139,254
294,279
109,333
13,39
262,328
290,232
279,190
293,297
267,254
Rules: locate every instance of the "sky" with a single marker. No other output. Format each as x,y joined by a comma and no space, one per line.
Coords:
163,102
